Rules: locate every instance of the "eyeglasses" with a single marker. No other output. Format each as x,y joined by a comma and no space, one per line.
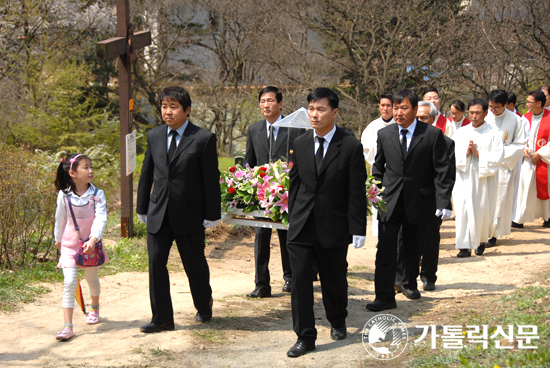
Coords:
530,102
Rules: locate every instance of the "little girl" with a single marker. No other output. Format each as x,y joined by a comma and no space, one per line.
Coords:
74,182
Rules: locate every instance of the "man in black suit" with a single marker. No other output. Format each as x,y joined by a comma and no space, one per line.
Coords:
266,143
412,165
327,209
181,165
427,113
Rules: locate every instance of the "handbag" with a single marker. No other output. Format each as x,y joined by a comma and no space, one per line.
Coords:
94,259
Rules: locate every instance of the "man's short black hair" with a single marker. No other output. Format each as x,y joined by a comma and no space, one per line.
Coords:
479,101
271,89
388,96
498,96
457,104
177,93
403,94
512,98
430,89
538,95
322,92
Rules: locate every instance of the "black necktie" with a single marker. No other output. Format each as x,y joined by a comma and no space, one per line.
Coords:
270,136
173,145
404,142
319,153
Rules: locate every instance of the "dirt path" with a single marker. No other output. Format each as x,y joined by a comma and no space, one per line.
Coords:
252,333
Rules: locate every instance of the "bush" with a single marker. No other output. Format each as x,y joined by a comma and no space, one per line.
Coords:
27,207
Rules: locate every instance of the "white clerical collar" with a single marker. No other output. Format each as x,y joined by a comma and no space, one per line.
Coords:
501,115
387,123
410,128
539,115
328,136
479,127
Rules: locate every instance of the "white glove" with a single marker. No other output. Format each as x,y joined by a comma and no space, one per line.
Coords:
359,241
142,218
444,214
208,224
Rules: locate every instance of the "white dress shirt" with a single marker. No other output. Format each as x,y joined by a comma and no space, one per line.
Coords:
410,131
180,131
328,138
275,128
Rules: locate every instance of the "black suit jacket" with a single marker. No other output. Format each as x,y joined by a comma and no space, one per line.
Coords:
187,189
421,176
257,146
337,195
451,172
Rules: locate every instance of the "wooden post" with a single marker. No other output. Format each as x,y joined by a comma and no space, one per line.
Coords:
124,46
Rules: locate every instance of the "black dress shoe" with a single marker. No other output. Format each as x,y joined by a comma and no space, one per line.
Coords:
546,223
157,327
491,243
260,292
338,333
428,285
464,253
479,250
516,225
299,349
202,318
380,305
412,293
398,288
287,287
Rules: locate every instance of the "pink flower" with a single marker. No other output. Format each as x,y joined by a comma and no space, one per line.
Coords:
373,191
283,202
374,199
240,174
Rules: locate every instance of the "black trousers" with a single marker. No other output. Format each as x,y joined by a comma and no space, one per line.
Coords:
262,254
430,255
191,250
332,265
386,255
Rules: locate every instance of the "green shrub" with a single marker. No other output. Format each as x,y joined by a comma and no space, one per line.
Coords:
27,207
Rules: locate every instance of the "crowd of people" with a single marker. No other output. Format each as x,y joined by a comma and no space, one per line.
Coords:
497,171
490,168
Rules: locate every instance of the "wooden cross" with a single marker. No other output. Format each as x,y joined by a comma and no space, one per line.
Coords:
124,46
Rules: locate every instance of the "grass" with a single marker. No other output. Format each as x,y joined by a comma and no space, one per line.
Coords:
526,306
23,285
210,336
225,163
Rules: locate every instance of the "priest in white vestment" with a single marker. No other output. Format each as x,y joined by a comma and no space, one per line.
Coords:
457,115
479,152
511,127
533,194
369,140
448,128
